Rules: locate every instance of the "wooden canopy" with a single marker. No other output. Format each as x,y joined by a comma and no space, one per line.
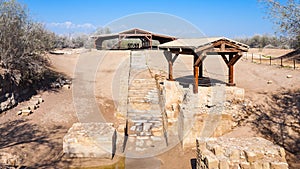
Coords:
230,50
145,36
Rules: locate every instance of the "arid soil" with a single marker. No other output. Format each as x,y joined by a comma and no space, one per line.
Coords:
269,52
38,137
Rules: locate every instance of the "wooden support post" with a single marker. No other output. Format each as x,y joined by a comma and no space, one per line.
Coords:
232,60
170,69
201,69
270,60
196,78
260,58
294,64
230,79
252,58
281,62
196,74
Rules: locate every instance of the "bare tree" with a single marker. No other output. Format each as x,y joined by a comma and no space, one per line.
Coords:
286,17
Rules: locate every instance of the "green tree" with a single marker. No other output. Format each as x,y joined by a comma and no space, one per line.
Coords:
286,17
22,42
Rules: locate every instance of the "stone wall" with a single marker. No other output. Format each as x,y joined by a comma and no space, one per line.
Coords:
243,153
8,99
209,113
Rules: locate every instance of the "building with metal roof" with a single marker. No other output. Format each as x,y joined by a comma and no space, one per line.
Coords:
146,38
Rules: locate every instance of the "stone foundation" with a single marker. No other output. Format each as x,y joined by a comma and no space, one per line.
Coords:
243,153
209,113
90,140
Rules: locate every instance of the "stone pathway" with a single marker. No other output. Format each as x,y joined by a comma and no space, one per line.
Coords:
144,119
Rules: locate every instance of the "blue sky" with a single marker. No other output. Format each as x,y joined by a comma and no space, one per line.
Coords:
230,18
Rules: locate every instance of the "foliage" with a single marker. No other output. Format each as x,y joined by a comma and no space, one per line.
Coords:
266,41
286,17
22,43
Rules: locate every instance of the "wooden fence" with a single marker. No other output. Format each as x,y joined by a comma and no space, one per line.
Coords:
282,62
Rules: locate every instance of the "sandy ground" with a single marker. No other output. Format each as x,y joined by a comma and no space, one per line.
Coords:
269,52
38,137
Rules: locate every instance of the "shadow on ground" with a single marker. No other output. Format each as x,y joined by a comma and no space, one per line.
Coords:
35,146
278,120
185,81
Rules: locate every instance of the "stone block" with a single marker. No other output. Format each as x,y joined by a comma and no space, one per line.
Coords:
211,161
278,165
218,150
26,112
245,165
256,165
243,153
147,126
8,159
90,140
266,165
235,155
223,164
282,152
250,156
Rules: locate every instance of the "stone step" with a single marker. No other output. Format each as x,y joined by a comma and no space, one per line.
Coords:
140,115
148,119
144,111
143,96
141,89
133,100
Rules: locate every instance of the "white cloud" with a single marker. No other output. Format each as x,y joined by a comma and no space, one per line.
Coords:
70,27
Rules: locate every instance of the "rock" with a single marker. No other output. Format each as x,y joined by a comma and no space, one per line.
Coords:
289,76
66,86
278,165
41,100
218,151
256,165
282,152
223,164
266,165
19,112
235,155
8,159
26,112
245,165
211,161
32,107
90,140
241,153
7,95
250,156
147,126
269,82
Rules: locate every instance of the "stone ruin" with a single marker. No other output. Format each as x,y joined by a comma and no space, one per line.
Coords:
90,140
204,117
243,153
156,116
187,117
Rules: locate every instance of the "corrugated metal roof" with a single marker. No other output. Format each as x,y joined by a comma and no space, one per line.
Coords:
196,43
105,35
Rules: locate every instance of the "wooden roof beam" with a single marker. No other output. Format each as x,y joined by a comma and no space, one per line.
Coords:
223,45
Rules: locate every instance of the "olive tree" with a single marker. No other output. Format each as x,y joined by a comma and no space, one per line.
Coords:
22,42
286,17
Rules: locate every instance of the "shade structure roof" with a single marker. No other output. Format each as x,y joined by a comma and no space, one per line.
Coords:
136,33
197,43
